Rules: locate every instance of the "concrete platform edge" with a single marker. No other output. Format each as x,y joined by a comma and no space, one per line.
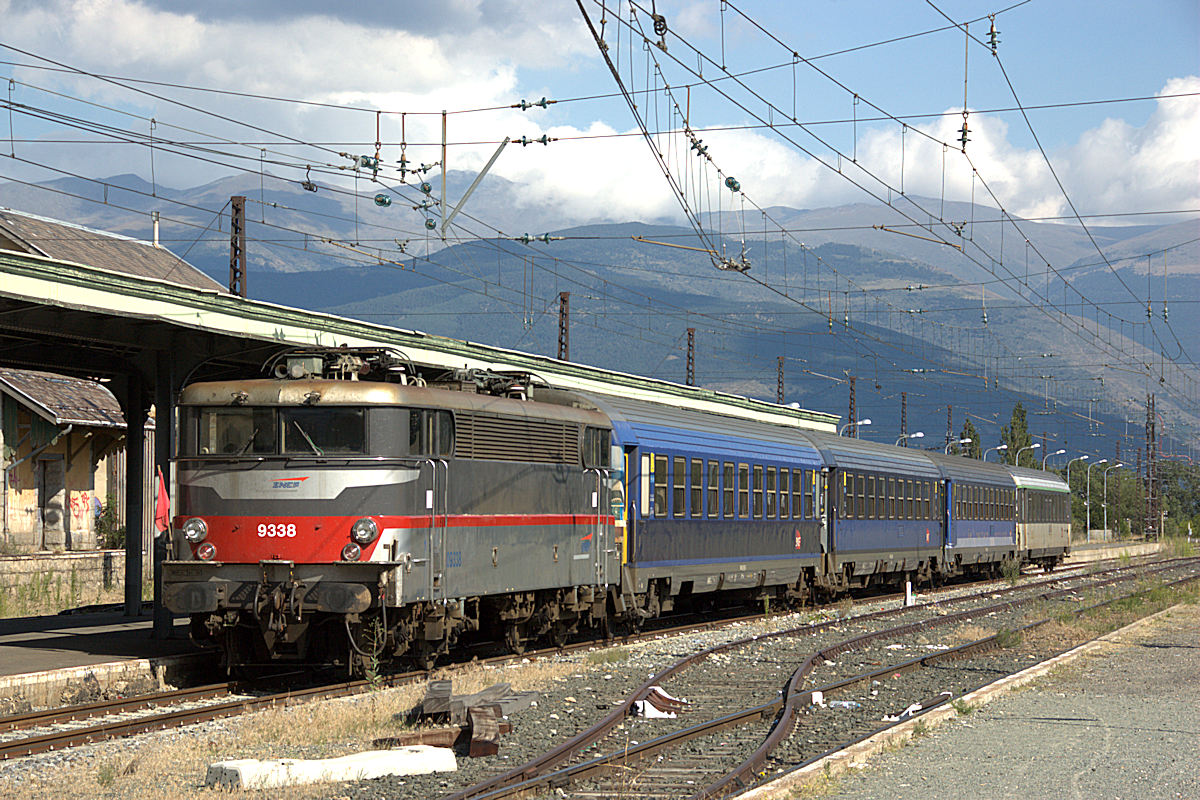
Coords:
859,754
42,689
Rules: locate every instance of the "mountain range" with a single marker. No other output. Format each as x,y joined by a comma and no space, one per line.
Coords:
851,290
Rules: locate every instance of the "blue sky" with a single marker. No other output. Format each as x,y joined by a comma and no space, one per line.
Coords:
457,55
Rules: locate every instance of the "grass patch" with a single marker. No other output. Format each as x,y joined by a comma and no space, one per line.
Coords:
1124,559
963,708
1010,570
612,655
1007,639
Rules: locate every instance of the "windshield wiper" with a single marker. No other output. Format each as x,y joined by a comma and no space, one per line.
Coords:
308,439
249,442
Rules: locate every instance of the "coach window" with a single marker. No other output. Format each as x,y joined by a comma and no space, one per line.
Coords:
785,494
758,492
871,511
679,486
697,487
928,499
714,490
661,484
771,493
799,481
743,491
727,487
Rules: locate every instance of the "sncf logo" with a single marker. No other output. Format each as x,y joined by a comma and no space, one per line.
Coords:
288,483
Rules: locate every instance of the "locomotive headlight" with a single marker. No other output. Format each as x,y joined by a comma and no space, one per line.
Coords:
207,551
364,531
351,552
195,530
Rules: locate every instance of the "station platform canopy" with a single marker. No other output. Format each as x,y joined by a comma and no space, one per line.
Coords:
86,320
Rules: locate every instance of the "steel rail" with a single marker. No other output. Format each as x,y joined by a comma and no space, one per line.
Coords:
742,776
541,772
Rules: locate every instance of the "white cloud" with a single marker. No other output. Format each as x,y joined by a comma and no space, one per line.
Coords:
478,54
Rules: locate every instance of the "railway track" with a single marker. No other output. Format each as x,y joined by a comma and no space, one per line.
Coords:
57,729
733,747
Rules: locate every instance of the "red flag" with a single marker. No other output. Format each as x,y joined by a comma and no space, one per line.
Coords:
162,507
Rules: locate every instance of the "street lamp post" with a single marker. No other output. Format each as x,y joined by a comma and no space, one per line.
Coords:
1069,463
1118,465
917,435
993,450
1055,453
1088,502
954,444
1017,460
842,430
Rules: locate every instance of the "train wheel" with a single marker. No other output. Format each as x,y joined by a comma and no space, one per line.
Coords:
559,634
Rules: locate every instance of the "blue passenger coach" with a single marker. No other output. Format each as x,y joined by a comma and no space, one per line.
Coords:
980,511
884,511
715,503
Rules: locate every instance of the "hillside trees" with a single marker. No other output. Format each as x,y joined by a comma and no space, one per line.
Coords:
1016,436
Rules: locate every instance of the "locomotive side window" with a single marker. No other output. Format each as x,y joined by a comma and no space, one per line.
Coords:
332,430
661,482
727,488
679,486
697,487
714,490
597,444
236,431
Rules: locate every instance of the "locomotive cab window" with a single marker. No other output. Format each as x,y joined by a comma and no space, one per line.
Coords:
331,430
235,431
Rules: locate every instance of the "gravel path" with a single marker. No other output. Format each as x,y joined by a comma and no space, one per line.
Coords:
1121,723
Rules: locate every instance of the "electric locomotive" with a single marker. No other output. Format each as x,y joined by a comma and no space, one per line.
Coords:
344,511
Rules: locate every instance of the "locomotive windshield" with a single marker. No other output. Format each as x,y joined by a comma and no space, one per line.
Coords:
248,431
